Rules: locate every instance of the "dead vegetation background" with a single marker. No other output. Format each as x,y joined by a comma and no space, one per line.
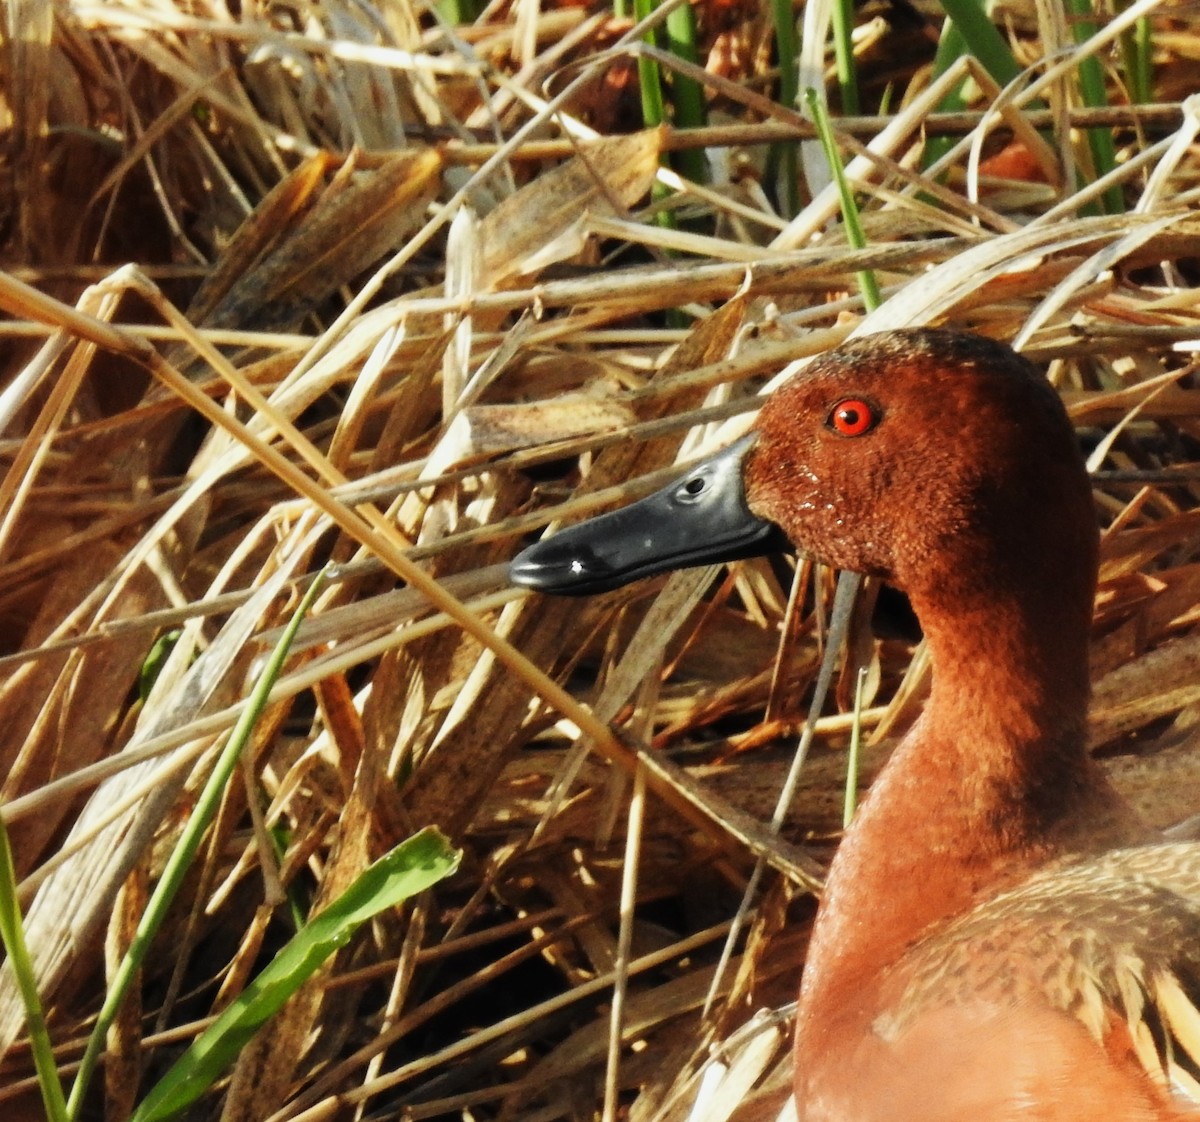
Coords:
341,281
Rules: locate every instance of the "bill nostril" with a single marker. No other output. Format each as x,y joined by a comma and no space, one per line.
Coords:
692,489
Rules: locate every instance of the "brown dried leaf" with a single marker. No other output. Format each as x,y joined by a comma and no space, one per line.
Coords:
123,1046
345,231
486,430
1160,682
546,221
259,236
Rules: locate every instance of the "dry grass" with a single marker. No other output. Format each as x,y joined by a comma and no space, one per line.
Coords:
334,282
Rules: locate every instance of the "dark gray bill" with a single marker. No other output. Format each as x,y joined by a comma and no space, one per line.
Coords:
697,520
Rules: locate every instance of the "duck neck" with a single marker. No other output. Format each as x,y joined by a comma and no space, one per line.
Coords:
1004,730
986,784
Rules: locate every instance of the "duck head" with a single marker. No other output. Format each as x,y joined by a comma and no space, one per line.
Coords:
928,457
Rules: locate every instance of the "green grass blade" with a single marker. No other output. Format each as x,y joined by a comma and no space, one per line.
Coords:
185,851
13,932
854,231
155,661
850,803
843,51
654,106
687,95
1091,84
459,13
1137,48
982,38
967,30
411,867
951,46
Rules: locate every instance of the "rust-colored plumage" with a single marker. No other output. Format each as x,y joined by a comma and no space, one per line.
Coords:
982,951
1000,940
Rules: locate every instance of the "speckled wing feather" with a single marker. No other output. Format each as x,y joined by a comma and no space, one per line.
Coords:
1114,937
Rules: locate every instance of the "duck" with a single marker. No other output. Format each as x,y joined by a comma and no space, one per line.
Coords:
999,938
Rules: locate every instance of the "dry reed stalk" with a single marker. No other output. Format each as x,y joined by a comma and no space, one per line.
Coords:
407,307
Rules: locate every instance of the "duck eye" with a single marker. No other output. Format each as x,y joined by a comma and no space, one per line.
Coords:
692,488
852,417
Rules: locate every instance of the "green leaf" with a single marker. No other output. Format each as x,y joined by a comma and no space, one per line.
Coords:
854,231
155,661
185,851
13,933
983,39
411,867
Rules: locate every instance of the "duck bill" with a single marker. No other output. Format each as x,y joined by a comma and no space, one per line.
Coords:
700,519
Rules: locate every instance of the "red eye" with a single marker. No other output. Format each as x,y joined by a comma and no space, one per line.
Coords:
852,417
